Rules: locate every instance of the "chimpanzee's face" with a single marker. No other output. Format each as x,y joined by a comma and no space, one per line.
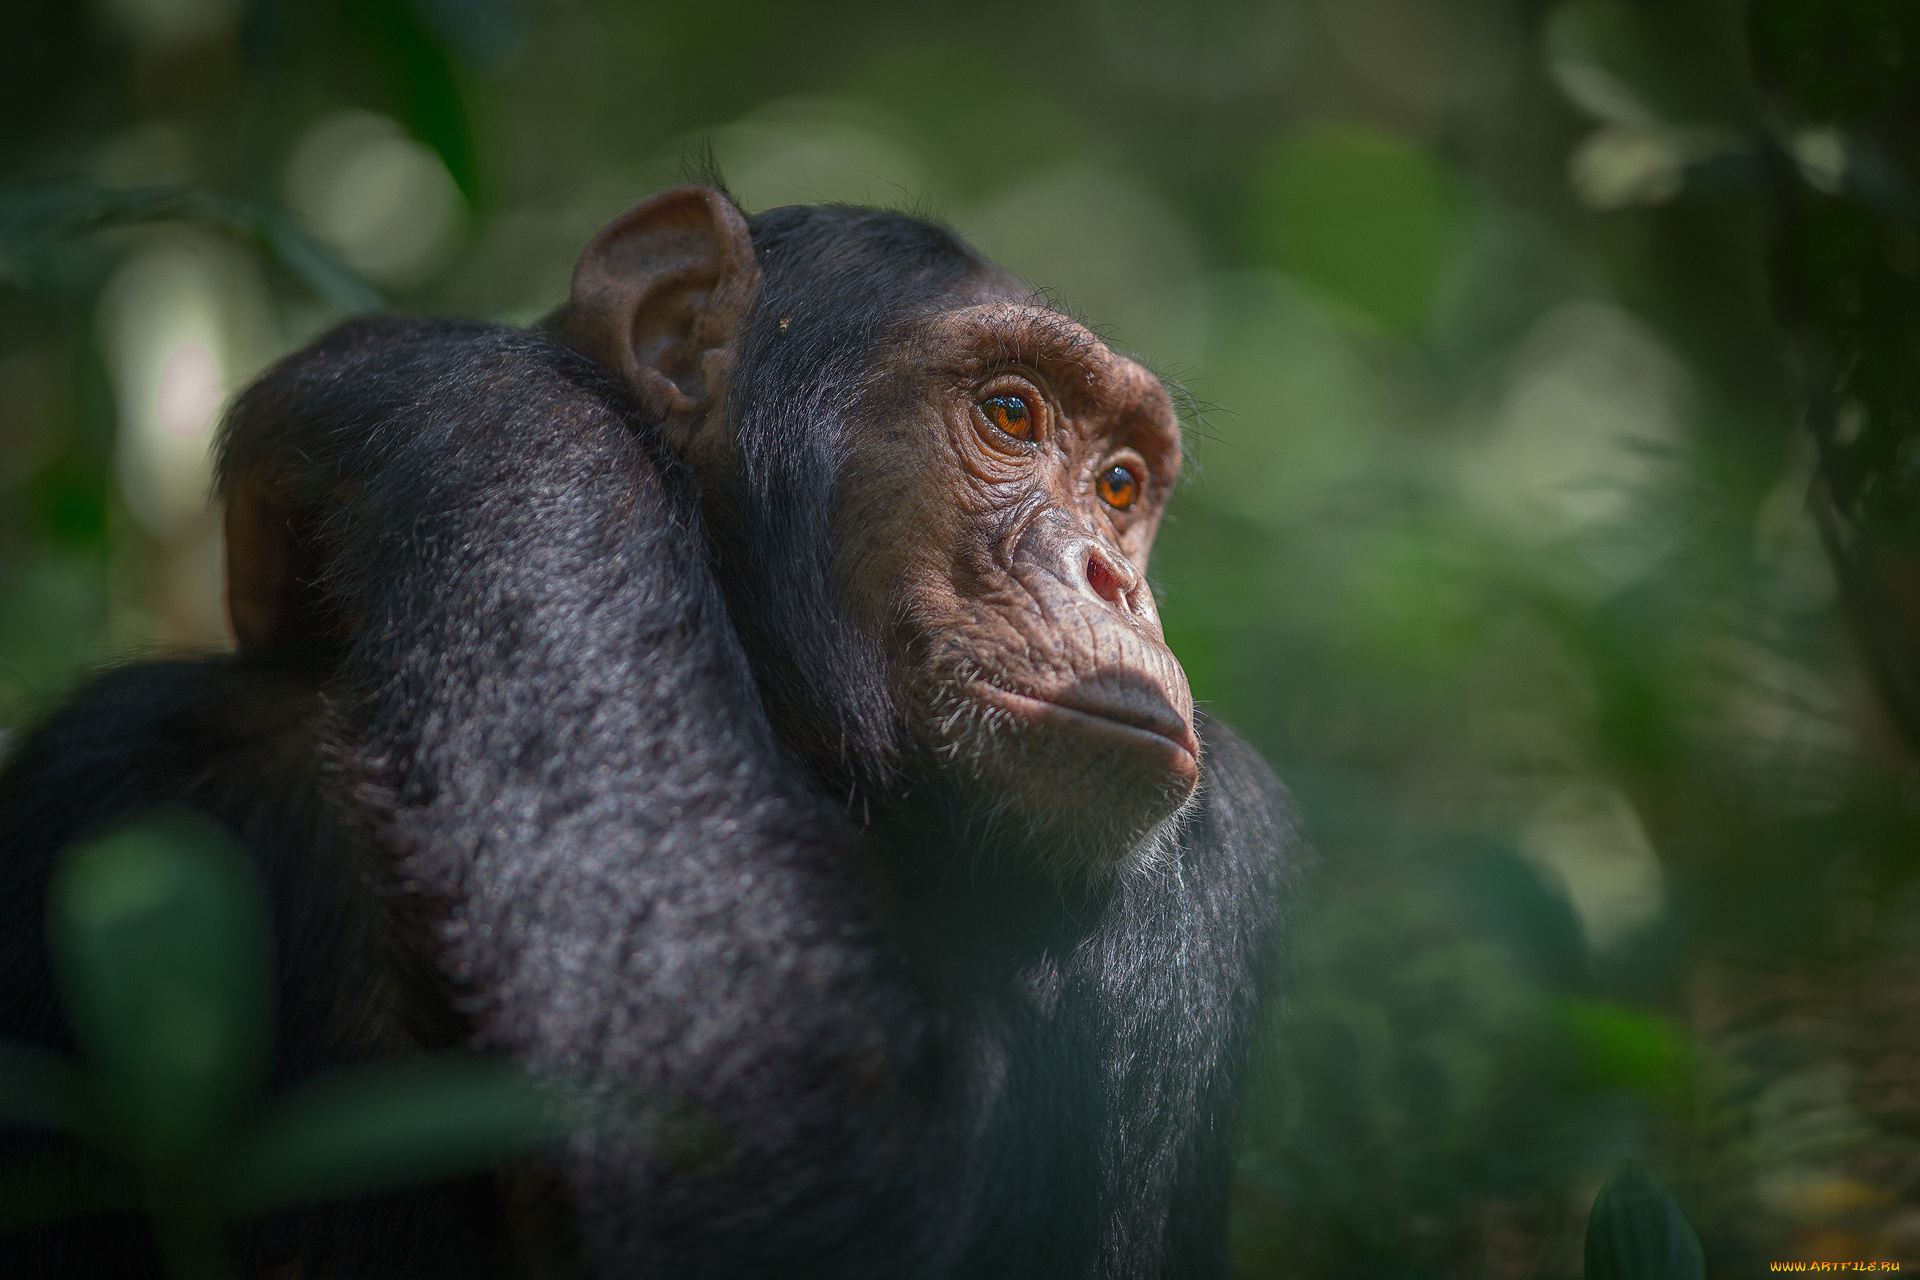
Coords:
998,475
995,522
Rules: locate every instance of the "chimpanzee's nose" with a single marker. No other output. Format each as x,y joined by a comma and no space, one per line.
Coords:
1111,575
1088,566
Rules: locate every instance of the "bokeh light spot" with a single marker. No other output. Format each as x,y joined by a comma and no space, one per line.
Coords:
384,202
189,391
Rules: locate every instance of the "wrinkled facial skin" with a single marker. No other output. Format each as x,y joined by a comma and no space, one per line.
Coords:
989,537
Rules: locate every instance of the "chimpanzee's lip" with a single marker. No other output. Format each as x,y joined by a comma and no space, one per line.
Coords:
1136,720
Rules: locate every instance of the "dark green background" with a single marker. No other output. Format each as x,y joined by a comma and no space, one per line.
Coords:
1516,339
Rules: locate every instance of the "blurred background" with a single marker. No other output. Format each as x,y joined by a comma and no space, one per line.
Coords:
1550,521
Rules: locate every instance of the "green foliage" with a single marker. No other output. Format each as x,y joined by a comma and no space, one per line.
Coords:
37,218
1651,65
160,949
159,940
1546,360
383,1127
421,75
1371,220
1617,1047
1637,1232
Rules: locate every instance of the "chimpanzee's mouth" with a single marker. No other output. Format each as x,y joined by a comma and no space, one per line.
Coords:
1130,716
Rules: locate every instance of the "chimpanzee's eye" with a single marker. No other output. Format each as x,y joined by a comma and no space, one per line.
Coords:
1010,414
1117,488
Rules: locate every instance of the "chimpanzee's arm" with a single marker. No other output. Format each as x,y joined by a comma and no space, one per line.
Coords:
653,901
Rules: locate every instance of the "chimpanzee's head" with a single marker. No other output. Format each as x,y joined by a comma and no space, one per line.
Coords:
932,499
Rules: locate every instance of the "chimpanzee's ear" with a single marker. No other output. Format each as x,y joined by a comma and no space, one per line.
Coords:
659,294
273,571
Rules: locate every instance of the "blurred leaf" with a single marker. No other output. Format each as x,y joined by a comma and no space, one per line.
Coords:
1508,902
1360,215
379,1127
160,950
51,619
1619,1047
425,89
39,1089
35,215
1637,1232
1598,55
62,1184
1645,66
479,30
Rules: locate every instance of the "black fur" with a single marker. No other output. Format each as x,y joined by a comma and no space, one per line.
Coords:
585,745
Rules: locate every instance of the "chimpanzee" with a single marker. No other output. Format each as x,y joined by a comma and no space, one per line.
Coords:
748,706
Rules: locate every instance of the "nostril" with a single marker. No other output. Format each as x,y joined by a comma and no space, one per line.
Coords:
1105,582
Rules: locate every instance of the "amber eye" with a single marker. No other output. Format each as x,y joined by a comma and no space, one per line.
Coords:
1010,414
1117,488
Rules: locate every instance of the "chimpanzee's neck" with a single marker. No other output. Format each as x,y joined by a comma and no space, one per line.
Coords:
980,903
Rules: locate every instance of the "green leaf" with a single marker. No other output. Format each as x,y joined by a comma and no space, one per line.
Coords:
1618,1047
1597,52
160,951
1637,1232
39,1089
378,1127
1621,62
423,84
35,215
